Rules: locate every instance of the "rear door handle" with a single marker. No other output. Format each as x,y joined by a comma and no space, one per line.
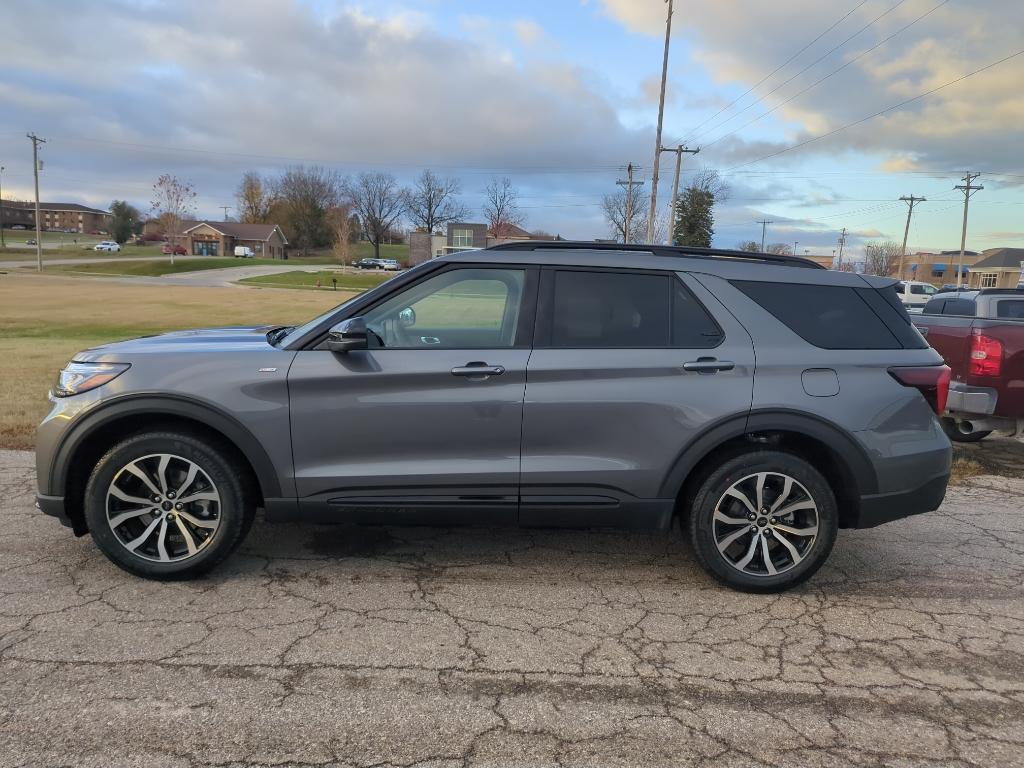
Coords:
708,365
478,370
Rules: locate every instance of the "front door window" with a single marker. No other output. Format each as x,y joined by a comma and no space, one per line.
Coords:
472,308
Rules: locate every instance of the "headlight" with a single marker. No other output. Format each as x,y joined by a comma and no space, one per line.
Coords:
77,378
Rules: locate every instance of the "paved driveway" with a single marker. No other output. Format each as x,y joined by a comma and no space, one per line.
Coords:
386,647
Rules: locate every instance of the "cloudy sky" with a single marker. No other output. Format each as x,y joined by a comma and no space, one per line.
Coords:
782,98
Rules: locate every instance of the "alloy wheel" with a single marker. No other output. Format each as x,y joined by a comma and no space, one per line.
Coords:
163,508
765,524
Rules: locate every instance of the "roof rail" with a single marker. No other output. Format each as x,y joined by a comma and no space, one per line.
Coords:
1003,291
686,251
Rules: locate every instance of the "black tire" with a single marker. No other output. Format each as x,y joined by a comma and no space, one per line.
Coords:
953,432
234,509
743,469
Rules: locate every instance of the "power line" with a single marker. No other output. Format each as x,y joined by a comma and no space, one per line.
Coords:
764,226
36,141
911,201
825,55
879,113
777,69
968,189
819,81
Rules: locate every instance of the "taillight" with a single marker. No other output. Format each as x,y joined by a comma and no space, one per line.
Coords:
932,381
986,355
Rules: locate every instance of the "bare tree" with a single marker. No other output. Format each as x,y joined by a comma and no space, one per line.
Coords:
343,224
614,208
255,197
173,202
501,207
306,194
431,202
379,202
779,249
624,217
881,258
748,245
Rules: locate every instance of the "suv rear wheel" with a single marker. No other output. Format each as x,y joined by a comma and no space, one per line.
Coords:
167,505
763,521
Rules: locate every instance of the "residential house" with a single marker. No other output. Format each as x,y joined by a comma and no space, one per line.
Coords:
219,238
998,268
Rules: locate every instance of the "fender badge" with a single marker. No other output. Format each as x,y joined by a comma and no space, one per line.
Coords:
266,370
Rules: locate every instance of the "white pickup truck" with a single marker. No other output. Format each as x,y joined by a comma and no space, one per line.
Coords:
915,295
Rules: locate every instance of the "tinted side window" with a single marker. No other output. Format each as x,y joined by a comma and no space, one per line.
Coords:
934,306
959,307
610,309
1010,308
692,325
832,317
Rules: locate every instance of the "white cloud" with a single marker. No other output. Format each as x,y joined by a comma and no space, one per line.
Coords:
976,122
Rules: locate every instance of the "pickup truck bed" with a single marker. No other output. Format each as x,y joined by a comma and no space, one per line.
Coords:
985,353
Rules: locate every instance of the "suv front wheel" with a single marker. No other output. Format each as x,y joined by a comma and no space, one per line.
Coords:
763,521
167,505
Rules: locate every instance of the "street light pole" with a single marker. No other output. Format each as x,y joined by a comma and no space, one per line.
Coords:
657,136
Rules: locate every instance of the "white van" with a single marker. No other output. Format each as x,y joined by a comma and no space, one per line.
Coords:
243,252
915,295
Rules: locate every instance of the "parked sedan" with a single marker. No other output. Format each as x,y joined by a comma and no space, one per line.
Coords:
389,265
107,245
368,264
176,250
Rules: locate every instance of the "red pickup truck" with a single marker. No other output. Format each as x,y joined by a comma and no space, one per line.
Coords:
980,334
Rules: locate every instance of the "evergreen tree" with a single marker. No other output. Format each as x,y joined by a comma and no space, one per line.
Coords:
695,220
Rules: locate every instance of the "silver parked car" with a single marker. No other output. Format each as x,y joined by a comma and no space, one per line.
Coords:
761,401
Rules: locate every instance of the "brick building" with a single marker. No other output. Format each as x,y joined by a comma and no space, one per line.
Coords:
60,217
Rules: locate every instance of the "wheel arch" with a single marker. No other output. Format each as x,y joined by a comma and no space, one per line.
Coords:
824,445
101,428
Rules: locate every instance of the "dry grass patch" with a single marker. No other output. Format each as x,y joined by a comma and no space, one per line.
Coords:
44,321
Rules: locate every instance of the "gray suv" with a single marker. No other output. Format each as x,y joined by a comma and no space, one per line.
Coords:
761,400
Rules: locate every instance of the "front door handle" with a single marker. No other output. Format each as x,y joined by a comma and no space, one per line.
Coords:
478,370
708,365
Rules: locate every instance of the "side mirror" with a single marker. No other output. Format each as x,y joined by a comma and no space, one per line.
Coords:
407,317
348,335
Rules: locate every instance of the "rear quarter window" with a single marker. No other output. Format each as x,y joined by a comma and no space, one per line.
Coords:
1010,309
831,317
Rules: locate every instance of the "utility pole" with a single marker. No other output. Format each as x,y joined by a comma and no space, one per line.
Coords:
36,141
628,217
910,200
226,209
2,243
842,243
968,189
764,226
679,150
657,135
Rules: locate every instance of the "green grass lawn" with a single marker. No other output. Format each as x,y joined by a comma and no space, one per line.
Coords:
360,281
157,268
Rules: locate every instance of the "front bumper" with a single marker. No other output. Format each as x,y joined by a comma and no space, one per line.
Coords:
880,508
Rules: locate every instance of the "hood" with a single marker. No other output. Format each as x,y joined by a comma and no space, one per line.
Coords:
198,340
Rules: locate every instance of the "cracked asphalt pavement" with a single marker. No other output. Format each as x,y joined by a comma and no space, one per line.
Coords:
319,645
